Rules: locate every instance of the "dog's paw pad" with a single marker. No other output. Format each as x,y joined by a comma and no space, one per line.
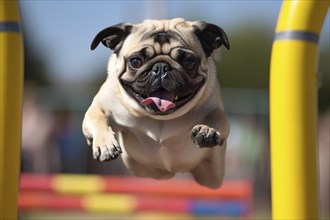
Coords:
105,147
204,136
96,154
115,152
107,154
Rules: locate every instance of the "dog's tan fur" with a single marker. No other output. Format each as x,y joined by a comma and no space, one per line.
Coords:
159,146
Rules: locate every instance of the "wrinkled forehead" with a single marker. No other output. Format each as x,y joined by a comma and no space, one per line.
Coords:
163,36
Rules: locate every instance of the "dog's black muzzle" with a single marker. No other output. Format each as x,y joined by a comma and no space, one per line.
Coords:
162,89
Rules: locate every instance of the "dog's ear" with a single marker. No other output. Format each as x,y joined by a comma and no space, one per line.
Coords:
112,37
211,36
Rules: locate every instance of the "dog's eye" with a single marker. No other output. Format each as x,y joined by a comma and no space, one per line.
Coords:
135,63
189,63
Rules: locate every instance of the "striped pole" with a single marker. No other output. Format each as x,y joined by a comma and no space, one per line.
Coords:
128,195
123,203
11,85
293,109
88,184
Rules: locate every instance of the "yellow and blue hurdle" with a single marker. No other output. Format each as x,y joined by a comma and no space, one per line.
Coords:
293,110
11,86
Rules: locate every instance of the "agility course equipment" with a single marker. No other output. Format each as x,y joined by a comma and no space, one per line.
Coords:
128,195
11,86
293,109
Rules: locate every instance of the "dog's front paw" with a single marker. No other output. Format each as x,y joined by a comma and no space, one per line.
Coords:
105,146
204,136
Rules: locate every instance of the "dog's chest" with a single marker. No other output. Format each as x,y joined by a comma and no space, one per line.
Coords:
160,134
166,147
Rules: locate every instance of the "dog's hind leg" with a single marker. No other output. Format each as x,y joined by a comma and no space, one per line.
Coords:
210,172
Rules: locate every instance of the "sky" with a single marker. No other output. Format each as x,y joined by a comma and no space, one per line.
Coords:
62,31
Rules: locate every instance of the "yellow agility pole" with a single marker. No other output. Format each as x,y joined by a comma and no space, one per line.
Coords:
293,110
11,85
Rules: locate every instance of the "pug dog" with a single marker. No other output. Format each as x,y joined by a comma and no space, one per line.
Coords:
160,107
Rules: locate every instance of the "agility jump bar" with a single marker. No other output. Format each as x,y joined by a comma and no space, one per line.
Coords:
130,195
77,184
129,204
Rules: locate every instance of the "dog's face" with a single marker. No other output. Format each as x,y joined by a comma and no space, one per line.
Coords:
162,65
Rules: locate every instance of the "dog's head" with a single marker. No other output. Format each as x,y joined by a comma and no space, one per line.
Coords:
162,64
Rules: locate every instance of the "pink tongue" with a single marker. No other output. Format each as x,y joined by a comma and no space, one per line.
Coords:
163,102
